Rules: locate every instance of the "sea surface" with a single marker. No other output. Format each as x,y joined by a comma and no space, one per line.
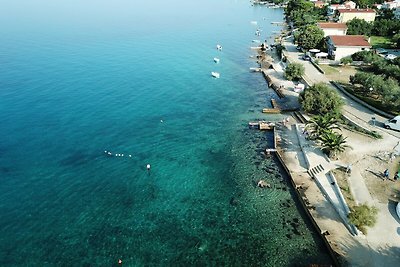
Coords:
79,79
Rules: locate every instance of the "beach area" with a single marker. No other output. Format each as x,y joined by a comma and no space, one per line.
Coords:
311,174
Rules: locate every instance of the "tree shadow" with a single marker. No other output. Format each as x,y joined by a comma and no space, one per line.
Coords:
359,253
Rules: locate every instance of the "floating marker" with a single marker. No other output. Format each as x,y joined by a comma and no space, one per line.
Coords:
148,167
130,156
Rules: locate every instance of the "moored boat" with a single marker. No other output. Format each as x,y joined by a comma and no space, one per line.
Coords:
215,74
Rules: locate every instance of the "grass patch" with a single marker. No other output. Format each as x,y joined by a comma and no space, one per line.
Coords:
341,178
363,216
354,128
376,103
381,42
329,70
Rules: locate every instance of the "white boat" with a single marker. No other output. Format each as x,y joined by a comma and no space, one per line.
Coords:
253,22
215,74
219,47
256,41
216,60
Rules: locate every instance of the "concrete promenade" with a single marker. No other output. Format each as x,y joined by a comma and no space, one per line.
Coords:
310,170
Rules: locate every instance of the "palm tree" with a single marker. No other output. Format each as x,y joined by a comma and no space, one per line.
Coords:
333,143
319,124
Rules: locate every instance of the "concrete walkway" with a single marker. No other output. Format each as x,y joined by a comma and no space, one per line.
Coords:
381,247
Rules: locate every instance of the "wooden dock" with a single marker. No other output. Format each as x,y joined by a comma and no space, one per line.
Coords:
262,125
275,108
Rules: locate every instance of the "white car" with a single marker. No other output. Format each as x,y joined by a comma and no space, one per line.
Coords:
390,56
398,209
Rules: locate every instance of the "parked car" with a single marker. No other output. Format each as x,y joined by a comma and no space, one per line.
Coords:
390,56
306,57
393,123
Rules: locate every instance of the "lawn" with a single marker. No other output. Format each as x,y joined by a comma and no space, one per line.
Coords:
338,73
381,42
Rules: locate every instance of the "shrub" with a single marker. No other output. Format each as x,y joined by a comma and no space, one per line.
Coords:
363,216
346,60
320,99
294,71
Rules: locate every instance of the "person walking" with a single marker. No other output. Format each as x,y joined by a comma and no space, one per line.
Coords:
396,176
386,174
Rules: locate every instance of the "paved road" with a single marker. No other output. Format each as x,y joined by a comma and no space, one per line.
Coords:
352,109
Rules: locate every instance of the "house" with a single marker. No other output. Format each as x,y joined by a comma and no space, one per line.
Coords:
340,46
319,4
332,28
350,4
345,5
348,14
391,5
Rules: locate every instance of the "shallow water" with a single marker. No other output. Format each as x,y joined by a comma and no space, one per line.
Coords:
78,79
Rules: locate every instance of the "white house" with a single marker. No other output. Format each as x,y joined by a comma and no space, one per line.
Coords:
350,4
348,14
390,5
332,28
340,46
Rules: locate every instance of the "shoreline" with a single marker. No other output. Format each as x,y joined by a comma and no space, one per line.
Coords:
299,157
305,193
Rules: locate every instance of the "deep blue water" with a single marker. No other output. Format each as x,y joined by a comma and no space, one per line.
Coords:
78,78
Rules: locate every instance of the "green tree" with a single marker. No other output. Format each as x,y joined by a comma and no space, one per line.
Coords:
363,216
396,40
320,99
359,27
332,143
319,124
346,60
365,3
294,71
385,27
310,36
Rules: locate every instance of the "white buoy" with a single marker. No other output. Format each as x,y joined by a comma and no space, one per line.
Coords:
161,121
130,156
105,151
122,155
148,167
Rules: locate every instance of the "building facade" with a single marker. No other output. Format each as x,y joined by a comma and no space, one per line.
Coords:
348,14
332,28
340,46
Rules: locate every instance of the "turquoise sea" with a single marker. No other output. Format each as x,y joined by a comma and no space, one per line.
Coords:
78,78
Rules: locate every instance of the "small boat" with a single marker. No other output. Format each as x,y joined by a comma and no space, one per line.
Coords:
253,22
256,41
216,60
219,47
215,74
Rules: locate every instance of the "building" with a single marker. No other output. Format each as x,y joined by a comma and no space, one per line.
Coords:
391,5
340,46
350,4
319,4
348,14
332,28
345,5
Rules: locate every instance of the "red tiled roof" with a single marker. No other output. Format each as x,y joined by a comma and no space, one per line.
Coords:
332,25
357,10
349,40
